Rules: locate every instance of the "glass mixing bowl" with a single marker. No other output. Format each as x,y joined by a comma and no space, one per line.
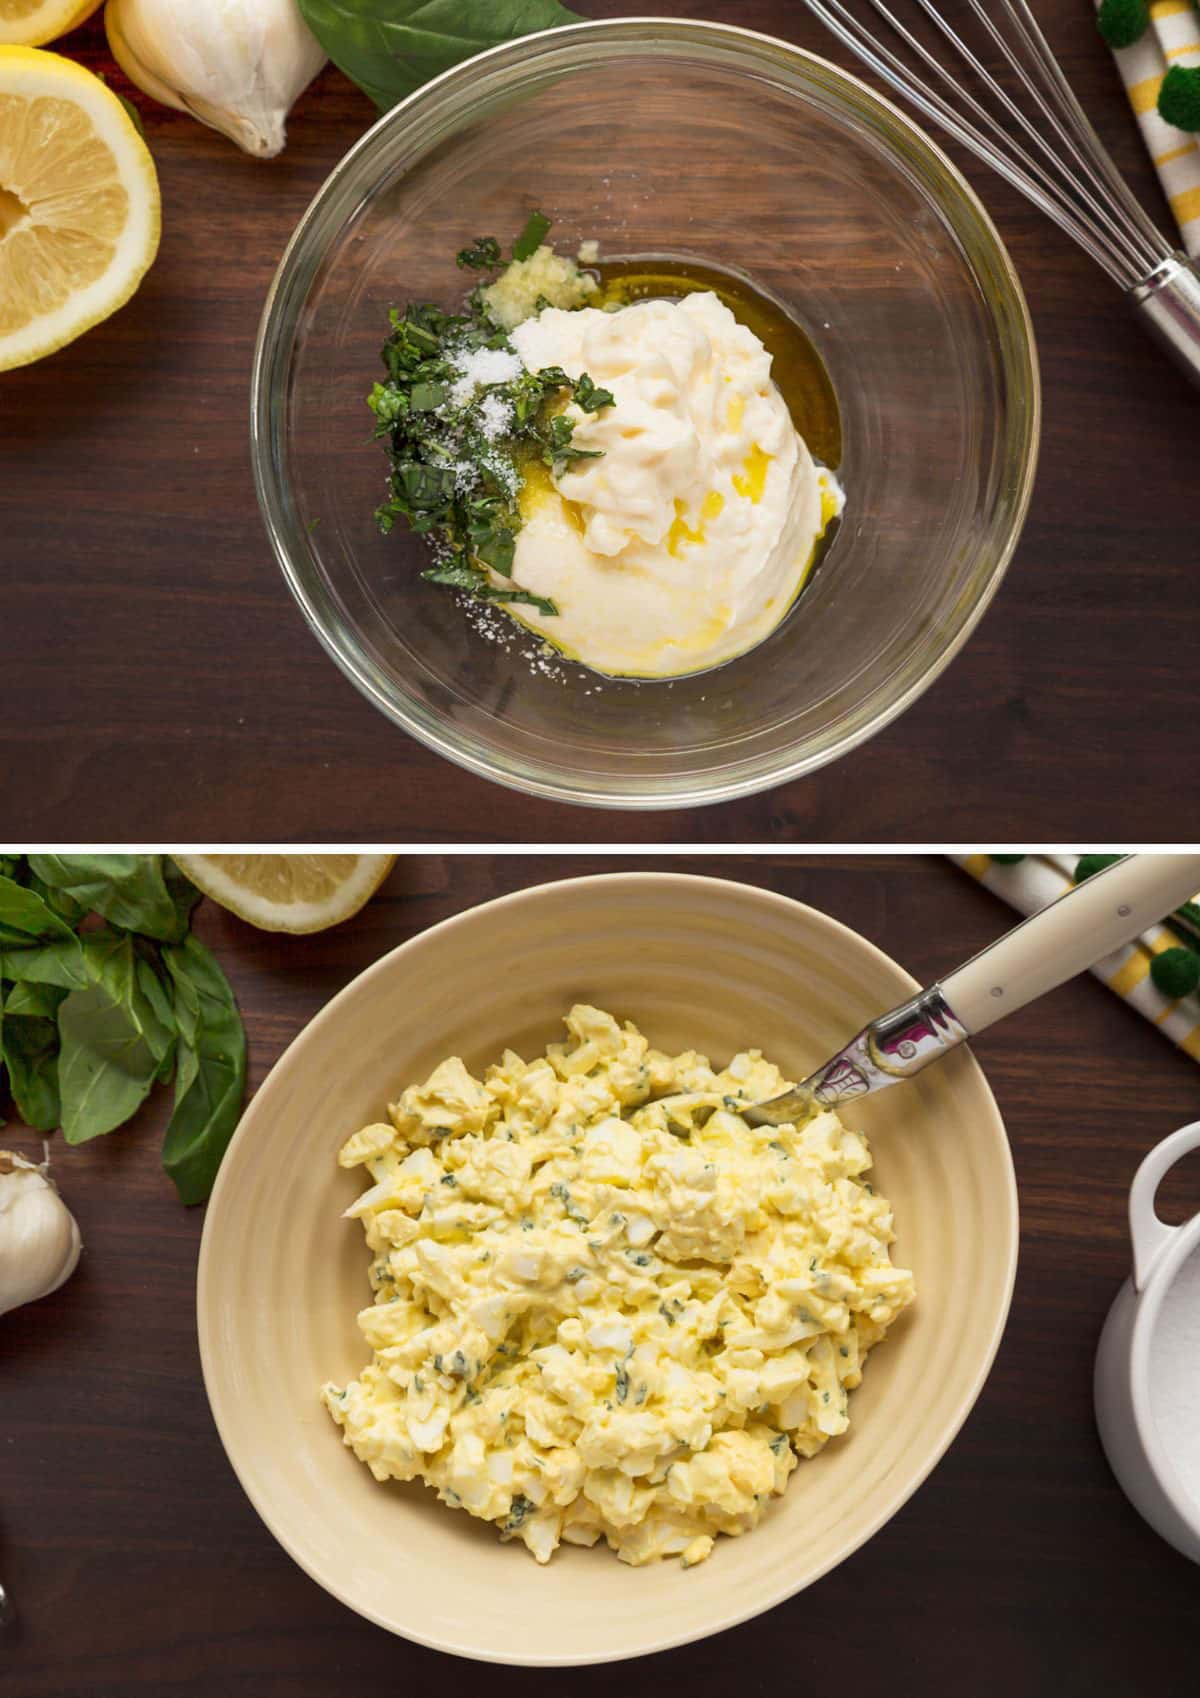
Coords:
700,141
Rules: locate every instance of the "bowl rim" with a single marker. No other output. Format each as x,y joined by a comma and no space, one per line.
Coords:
697,886
538,777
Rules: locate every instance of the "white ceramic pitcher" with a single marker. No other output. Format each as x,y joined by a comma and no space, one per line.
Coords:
1124,1385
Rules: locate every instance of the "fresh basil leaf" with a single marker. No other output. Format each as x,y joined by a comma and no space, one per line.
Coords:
58,901
31,1060
427,397
184,897
129,891
35,943
558,447
113,1043
159,999
456,575
186,1009
25,918
211,1080
29,1045
390,47
59,963
39,1001
532,236
484,255
590,397
9,866
499,551
428,487
541,602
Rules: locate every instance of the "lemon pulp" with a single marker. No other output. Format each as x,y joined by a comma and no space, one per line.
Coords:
79,204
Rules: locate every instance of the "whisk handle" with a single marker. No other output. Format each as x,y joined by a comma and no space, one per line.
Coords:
1169,300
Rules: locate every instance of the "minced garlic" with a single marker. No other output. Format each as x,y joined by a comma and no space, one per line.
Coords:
527,285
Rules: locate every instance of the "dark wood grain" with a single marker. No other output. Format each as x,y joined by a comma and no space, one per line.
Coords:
140,1569
158,681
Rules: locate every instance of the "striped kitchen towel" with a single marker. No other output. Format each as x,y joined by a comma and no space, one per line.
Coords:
1039,879
1172,39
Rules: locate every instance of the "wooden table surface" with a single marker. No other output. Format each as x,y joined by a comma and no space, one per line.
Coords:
160,684
139,1567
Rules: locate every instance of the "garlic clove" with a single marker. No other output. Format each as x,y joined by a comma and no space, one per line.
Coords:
139,74
236,65
260,133
40,1240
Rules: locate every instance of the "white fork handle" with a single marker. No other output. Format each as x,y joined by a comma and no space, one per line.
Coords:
1079,929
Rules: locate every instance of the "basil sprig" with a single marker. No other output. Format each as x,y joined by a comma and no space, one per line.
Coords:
390,47
139,893
104,993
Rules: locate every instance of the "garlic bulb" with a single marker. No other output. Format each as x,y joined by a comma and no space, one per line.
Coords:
39,1239
237,65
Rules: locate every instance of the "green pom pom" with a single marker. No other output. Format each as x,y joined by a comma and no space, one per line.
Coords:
1179,97
1089,864
1122,22
1008,860
1176,972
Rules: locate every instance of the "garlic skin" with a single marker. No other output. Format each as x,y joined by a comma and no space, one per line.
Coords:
39,1236
237,65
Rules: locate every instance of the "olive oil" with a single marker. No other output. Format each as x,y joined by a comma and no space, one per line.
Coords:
796,366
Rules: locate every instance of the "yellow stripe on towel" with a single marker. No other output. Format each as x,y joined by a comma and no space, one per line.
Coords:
1186,206
1132,972
1130,976
1143,96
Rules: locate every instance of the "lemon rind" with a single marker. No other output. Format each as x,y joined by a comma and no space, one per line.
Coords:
298,918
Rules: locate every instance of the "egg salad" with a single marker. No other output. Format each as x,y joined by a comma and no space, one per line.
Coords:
604,1305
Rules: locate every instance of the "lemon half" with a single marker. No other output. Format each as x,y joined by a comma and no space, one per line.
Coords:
29,23
79,204
289,893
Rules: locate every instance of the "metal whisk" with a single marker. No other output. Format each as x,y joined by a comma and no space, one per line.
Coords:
1032,130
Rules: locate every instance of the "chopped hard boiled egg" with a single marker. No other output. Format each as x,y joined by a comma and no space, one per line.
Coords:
604,1305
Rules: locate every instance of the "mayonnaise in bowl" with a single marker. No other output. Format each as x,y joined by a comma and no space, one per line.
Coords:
688,540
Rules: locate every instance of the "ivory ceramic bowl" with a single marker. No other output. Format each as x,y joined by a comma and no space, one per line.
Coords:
695,962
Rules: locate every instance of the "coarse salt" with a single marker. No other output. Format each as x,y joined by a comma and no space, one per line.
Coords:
479,368
466,476
494,625
496,417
